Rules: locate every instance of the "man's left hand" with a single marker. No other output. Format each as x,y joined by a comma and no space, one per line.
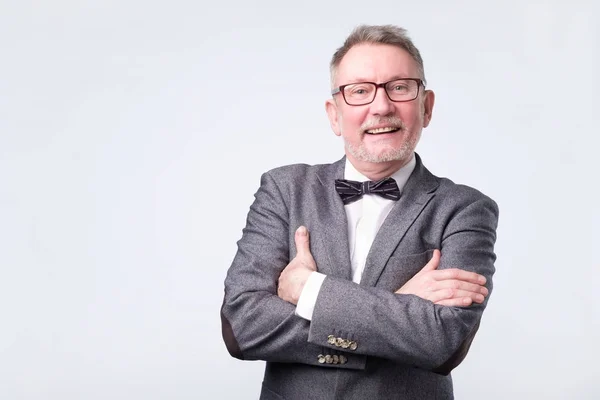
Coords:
296,273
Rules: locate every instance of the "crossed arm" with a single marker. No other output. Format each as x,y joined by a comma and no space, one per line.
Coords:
448,287
428,320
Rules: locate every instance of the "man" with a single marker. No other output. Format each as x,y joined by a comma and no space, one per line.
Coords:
365,278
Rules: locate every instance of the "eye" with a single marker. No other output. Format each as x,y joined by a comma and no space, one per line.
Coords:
358,90
400,88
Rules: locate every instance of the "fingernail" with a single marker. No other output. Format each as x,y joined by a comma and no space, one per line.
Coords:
302,231
482,279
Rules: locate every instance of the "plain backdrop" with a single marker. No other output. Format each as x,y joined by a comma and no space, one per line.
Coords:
125,124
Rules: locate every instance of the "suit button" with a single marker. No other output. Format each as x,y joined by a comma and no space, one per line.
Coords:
328,359
321,359
345,343
339,341
336,359
353,345
343,360
331,339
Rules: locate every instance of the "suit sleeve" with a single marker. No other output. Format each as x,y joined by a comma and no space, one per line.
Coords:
256,323
405,328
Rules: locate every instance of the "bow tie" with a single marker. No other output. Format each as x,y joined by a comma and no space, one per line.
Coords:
351,191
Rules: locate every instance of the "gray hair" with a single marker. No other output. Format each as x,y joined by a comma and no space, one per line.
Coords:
377,34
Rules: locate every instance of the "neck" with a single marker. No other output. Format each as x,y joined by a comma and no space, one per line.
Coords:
377,171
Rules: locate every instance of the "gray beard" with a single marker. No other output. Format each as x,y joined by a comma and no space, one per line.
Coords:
403,153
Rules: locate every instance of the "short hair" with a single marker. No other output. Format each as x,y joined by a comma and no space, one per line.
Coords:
377,34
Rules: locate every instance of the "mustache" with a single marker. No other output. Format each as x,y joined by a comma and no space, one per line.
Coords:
391,121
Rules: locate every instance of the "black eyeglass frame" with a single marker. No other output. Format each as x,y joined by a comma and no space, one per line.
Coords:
340,89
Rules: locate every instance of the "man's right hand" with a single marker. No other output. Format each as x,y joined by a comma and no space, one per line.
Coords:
296,273
447,287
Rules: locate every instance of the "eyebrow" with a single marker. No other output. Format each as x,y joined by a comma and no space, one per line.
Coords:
393,78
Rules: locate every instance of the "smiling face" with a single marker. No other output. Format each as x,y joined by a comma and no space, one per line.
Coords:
381,136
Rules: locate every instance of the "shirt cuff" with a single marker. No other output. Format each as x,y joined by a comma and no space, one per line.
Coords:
308,297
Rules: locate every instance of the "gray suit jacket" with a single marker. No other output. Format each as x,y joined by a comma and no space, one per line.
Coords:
404,347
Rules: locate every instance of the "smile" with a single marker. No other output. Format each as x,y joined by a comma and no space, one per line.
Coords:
387,129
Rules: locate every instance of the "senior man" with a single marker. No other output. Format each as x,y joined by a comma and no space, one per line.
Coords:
365,278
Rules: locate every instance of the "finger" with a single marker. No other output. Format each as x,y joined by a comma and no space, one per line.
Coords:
459,274
462,302
476,297
433,263
446,294
279,287
302,241
462,285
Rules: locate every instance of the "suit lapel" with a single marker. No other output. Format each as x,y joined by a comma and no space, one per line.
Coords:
418,191
331,217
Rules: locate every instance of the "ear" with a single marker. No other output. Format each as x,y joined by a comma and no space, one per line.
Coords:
333,113
428,100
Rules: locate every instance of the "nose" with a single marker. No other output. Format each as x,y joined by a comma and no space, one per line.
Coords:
382,105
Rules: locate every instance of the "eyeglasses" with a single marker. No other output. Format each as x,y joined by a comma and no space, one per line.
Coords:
361,93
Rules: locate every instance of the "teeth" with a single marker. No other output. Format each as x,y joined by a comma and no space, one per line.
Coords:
382,130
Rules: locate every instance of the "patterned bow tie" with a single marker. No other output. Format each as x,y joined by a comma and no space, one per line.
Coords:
351,191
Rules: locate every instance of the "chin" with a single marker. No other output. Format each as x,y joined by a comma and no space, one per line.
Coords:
361,153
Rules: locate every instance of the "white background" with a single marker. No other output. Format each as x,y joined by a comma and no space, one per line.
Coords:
123,125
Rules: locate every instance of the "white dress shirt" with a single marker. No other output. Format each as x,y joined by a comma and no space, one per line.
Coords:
365,217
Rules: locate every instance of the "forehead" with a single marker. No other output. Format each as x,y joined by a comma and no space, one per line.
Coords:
377,63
